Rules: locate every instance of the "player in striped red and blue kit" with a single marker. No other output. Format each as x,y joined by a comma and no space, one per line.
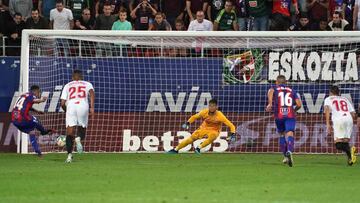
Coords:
25,122
284,102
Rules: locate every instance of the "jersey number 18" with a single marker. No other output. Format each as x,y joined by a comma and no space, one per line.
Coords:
340,105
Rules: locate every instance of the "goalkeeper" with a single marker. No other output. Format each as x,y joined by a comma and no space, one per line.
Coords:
210,128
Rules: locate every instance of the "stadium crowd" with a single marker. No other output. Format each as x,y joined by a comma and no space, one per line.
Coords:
195,15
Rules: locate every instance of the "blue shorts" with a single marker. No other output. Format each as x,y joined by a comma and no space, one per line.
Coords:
285,125
27,126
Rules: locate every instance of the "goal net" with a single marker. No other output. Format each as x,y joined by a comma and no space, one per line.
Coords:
148,83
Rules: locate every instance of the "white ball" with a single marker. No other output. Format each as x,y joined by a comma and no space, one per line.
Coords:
61,141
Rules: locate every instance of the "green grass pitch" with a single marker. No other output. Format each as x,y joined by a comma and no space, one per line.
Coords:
165,178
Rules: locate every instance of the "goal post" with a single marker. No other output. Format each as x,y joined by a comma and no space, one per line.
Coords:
148,83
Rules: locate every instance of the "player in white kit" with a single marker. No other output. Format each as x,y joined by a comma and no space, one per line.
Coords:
74,101
342,117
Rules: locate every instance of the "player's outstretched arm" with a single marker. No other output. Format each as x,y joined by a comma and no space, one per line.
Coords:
63,98
192,119
36,111
327,112
92,102
354,116
41,100
270,99
63,104
232,136
298,104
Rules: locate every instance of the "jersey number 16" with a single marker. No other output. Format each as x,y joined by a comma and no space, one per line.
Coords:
285,99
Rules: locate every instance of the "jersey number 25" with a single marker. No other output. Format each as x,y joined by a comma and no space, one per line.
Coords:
77,92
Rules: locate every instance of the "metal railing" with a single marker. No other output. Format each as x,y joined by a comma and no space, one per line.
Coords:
3,45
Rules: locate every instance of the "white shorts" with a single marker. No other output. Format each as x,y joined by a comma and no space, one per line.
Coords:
77,115
343,127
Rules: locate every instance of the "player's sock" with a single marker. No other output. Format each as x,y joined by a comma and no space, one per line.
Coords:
290,143
345,147
69,143
79,147
184,143
283,147
34,144
81,133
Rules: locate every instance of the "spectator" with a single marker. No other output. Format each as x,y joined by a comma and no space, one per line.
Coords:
116,5
258,11
105,21
179,25
336,5
85,22
214,8
174,52
45,6
61,18
317,10
122,23
303,24
14,34
143,14
338,23
153,3
226,20
36,21
173,10
77,6
281,14
200,24
192,6
23,7
242,14
5,16
356,16
35,3
349,10
321,25
4,5
160,23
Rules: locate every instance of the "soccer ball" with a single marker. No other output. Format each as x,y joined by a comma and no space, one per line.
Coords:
61,141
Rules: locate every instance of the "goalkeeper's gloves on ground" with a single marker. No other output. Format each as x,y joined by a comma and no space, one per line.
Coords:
231,138
186,126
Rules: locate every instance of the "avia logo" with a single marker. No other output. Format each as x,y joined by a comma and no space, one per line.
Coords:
49,106
157,101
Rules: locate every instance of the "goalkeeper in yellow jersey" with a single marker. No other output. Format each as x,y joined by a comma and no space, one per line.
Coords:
209,129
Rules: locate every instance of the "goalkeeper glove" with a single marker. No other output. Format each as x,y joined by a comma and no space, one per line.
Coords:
186,126
231,138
